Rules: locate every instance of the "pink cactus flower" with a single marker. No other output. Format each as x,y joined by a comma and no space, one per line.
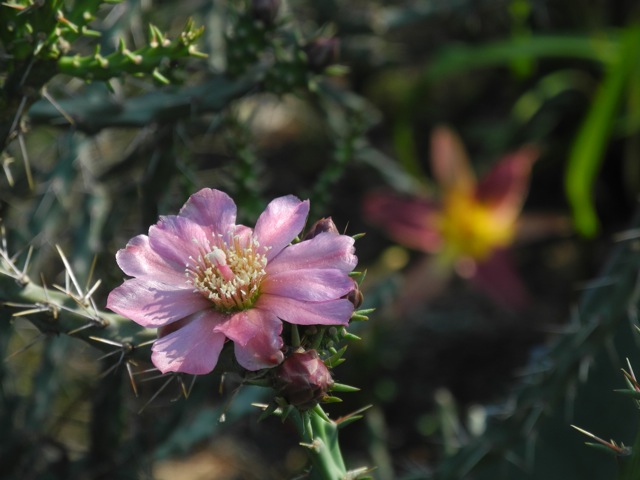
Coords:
202,280
471,223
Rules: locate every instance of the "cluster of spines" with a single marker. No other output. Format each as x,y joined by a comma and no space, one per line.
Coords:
42,29
150,59
69,309
611,446
609,303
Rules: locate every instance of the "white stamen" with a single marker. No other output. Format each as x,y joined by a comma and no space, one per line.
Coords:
228,274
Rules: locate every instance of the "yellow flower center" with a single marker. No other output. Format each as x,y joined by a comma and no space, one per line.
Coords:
472,229
228,274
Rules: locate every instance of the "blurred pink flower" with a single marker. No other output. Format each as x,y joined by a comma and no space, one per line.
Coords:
472,222
201,280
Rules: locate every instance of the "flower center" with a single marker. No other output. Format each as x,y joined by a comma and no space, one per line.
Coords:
228,274
473,229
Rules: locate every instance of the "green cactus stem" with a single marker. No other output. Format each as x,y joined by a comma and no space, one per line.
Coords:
36,37
61,311
146,60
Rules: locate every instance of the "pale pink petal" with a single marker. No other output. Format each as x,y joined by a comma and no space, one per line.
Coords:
211,208
314,285
138,259
505,186
154,304
498,279
279,224
410,221
449,161
331,312
176,239
256,337
193,348
325,250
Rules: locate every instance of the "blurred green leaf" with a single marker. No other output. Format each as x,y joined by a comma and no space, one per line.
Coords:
587,153
461,58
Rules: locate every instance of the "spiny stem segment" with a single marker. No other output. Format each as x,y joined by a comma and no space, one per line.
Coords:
36,37
148,60
68,309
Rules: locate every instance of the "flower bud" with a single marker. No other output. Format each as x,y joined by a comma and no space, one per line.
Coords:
321,226
303,379
265,10
322,52
355,296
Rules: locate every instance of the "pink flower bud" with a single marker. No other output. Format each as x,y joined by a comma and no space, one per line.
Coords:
303,379
355,296
321,226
